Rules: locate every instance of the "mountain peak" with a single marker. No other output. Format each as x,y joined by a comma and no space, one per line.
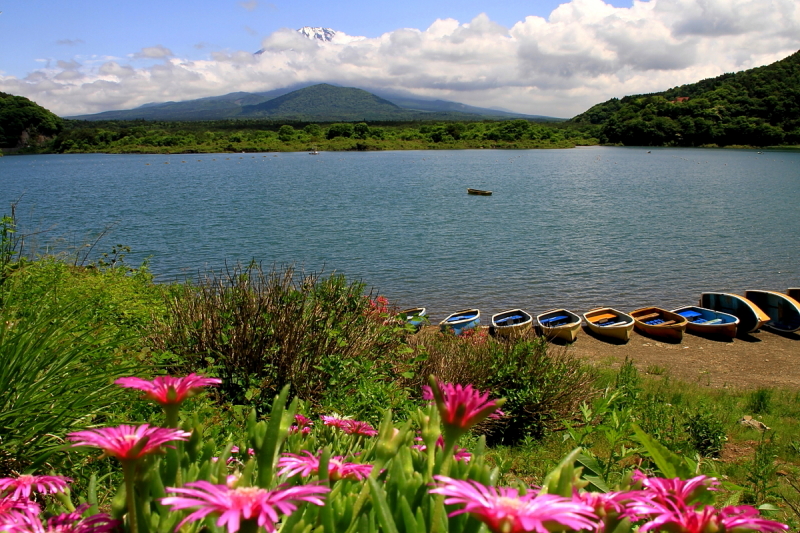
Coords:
321,34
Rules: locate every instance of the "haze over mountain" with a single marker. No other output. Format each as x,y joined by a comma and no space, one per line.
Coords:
320,102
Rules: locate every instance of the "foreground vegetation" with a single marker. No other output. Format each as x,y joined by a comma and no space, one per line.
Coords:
69,329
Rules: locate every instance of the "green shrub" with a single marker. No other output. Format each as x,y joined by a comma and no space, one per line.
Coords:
706,433
260,331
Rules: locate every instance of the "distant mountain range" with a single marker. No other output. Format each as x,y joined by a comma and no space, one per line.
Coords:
317,103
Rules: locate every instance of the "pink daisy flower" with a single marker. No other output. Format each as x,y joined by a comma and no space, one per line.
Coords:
234,505
24,484
357,427
167,390
461,407
292,464
334,421
303,421
73,522
700,519
126,442
504,510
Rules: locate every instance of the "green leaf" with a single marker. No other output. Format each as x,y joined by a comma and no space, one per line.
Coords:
670,464
385,518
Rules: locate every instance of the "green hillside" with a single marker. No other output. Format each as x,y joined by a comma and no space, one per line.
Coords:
326,102
24,123
757,107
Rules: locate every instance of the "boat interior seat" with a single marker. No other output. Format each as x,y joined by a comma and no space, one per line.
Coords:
606,324
511,318
647,317
553,321
688,313
606,316
696,320
457,318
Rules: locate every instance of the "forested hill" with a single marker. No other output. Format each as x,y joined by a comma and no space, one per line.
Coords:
757,107
23,122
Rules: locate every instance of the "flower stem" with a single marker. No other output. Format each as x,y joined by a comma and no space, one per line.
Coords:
129,471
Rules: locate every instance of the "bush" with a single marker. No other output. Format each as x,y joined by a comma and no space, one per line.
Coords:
260,331
706,433
542,384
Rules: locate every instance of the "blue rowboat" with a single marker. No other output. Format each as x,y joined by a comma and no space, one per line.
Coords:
750,316
559,323
511,324
461,321
783,310
416,316
708,322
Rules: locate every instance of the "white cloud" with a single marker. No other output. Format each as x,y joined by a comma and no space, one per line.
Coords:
584,53
153,52
249,6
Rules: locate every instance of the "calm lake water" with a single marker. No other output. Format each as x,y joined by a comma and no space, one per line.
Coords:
575,228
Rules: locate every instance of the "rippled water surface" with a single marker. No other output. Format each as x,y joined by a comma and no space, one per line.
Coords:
575,228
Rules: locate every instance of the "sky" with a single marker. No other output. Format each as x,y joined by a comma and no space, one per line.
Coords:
540,57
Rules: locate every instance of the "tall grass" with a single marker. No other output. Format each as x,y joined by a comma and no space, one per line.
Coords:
56,373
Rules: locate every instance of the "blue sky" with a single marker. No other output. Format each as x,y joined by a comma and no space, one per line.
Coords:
36,30
539,57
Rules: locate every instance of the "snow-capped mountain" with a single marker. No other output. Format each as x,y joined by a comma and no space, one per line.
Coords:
322,34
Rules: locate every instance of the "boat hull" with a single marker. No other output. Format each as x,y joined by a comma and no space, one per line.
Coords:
416,316
659,323
559,324
479,192
751,318
783,311
512,324
709,323
461,321
610,323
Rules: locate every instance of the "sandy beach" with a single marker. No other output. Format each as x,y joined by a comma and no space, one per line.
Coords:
762,359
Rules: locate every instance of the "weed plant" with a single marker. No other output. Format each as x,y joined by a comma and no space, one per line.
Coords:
259,331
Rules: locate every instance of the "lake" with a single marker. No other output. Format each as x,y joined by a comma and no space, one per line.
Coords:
579,228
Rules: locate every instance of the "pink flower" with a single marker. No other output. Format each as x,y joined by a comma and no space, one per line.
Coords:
349,426
459,454
167,390
292,464
72,522
303,421
16,514
700,519
244,503
356,427
503,510
125,442
461,407
334,421
684,490
23,484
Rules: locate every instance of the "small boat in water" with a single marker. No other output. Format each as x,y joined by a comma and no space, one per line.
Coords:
479,192
608,322
511,324
461,321
660,323
783,310
416,316
708,322
559,324
751,318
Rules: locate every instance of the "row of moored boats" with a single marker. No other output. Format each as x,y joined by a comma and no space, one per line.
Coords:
718,314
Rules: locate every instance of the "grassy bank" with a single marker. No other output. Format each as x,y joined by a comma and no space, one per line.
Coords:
343,350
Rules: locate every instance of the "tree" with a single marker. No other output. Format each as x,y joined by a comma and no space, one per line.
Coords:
286,133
